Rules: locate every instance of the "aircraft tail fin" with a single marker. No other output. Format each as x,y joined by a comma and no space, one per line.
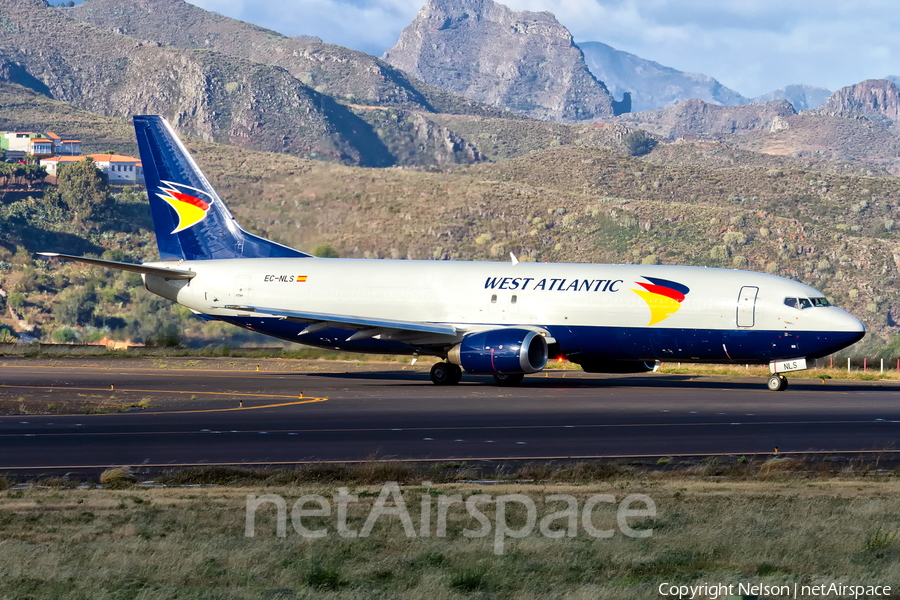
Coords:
190,220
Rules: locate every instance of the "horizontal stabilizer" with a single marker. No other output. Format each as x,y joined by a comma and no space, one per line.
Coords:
114,264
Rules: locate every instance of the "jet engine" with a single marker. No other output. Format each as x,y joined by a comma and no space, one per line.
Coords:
501,351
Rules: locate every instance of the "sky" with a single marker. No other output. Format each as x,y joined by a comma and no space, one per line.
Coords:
751,46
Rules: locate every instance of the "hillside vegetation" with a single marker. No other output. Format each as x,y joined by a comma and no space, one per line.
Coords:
561,202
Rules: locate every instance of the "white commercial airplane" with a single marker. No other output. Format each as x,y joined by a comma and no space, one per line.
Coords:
502,319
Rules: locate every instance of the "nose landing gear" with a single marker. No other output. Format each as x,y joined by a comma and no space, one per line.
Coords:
777,383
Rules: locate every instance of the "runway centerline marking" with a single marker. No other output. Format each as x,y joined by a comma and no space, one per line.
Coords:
410,429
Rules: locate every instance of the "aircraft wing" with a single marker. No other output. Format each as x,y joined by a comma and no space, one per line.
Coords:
114,264
366,326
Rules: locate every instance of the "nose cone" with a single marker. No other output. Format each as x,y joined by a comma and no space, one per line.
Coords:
845,322
843,329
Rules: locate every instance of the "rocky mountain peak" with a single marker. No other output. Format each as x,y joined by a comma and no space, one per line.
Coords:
875,97
454,14
523,61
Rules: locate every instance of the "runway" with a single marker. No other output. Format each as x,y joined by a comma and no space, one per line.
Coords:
221,411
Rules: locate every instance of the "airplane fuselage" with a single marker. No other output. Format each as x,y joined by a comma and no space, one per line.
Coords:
591,313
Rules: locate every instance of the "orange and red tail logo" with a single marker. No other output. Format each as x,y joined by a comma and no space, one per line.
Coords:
189,208
664,297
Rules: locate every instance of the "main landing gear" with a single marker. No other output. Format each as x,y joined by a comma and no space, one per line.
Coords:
444,373
777,383
509,379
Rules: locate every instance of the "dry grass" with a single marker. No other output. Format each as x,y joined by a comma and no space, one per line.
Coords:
189,542
856,373
117,478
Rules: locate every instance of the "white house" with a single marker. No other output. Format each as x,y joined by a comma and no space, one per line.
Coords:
53,164
121,170
40,147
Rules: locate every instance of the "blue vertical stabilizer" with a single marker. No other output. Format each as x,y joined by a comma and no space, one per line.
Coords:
189,218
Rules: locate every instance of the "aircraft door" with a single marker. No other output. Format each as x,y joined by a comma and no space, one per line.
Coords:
242,289
746,306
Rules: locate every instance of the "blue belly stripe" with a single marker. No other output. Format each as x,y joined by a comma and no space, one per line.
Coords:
606,343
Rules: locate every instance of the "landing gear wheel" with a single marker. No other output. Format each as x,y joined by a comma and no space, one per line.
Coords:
509,379
457,373
777,383
443,373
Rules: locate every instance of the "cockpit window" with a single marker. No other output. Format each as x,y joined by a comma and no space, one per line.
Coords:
801,303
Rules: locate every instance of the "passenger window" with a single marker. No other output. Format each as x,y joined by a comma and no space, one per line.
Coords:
514,299
792,302
494,299
820,302
805,303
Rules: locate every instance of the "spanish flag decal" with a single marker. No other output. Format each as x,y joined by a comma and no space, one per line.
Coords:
664,297
301,278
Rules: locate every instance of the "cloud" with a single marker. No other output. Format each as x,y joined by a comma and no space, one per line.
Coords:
752,46
368,25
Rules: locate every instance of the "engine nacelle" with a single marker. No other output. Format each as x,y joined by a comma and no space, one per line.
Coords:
504,351
617,366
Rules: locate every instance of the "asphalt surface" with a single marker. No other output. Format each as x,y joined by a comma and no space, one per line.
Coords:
217,411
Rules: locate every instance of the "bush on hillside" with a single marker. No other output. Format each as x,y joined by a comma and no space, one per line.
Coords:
639,142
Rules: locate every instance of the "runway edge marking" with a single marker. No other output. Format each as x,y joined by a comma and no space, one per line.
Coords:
426,460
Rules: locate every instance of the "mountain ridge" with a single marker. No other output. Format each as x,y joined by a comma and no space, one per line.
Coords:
225,97
695,117
209,95
652,86
327,68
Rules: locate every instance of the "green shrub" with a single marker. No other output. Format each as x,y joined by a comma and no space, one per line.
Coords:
639,142
469,578
323,577
326,251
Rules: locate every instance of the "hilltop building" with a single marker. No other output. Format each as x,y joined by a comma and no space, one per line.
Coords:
20,144
121,170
